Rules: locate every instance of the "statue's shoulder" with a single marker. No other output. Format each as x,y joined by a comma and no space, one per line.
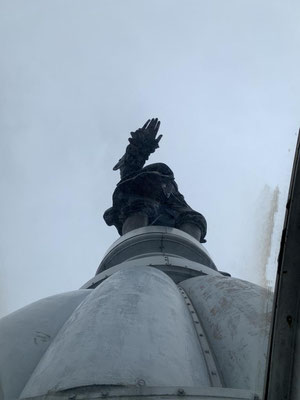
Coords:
159,167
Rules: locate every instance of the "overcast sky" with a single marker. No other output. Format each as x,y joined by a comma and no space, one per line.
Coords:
77,76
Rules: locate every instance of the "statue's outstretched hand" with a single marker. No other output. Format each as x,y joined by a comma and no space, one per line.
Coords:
147,135
142,143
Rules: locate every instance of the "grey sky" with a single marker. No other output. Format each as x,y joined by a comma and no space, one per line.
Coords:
77,76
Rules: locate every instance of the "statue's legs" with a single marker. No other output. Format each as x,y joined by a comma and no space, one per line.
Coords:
135,221
191,229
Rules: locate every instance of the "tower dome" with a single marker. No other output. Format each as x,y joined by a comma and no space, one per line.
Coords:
157,320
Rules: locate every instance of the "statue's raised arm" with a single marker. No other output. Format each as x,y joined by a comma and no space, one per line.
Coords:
142,143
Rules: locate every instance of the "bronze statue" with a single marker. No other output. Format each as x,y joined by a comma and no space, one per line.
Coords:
149,195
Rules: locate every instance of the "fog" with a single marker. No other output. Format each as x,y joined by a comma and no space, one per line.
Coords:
78,76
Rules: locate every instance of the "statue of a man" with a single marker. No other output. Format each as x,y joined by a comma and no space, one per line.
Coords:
149,195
